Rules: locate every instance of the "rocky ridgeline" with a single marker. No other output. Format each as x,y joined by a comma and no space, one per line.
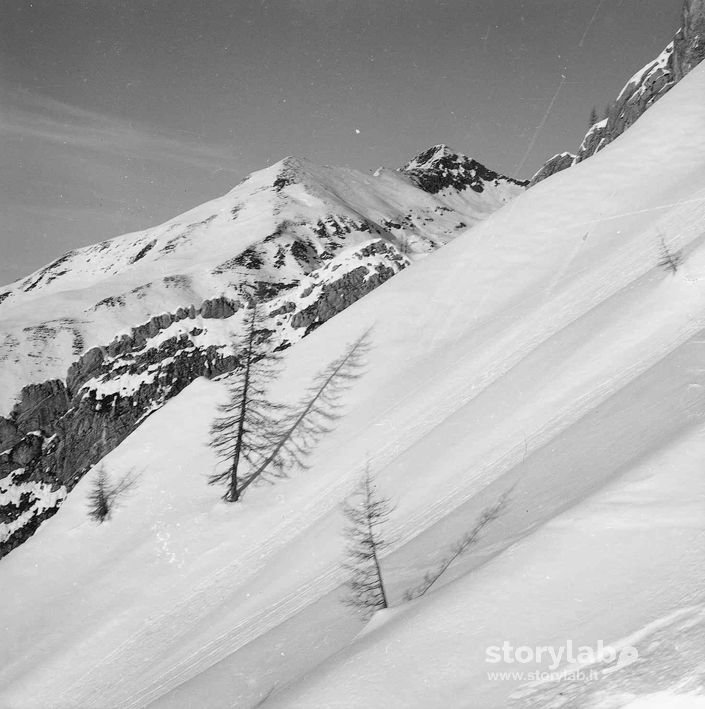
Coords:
656,79
60,428
440,168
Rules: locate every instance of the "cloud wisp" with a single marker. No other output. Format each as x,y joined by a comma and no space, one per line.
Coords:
28,115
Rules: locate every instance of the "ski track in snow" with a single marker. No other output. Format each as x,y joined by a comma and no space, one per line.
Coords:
457,393
460,494
243,633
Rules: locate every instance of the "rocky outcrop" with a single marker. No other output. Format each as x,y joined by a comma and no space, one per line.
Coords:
21,454
440,168
646,87
9,433
24,506
40,405
25,451
97,423
553,165
221,307
689,43
91,363
58,430
335,297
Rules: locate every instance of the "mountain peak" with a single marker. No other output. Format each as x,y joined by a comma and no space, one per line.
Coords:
289,171
439,167
432,156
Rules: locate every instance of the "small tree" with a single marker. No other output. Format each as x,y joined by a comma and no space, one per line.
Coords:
367,514
593,117
104,494
301,427
247,424
99,497
470,539
669,260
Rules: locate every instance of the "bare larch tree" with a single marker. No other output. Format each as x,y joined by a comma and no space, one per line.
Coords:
593,117
247,425
104,494
302,426
98,499
669,260
366,513
469,540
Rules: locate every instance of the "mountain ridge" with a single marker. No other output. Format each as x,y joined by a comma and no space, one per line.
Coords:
648,85
136,318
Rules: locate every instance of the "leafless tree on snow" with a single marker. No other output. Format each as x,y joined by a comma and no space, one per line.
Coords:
469,540
301,427
669,260
104,494
366,513
247,424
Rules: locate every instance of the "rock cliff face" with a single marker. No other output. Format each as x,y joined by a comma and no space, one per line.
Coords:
439,168
646,87
58,429
689,43
553,165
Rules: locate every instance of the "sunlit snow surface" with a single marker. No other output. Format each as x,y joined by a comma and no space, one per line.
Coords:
544,350
91,295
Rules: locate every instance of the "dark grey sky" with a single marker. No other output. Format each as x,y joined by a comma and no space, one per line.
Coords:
118,114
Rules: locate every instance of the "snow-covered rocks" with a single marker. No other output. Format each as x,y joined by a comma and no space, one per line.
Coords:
137,318
440,168
646,87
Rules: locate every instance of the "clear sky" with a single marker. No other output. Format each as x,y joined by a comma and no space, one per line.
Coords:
116,115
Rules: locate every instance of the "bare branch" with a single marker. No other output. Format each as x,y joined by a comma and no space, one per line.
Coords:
104,496
302,427
487,516
247,423
669,260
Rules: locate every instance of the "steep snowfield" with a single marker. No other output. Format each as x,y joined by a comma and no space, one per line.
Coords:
545,352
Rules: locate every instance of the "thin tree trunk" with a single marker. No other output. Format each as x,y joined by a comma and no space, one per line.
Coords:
234,492
378,569
296,424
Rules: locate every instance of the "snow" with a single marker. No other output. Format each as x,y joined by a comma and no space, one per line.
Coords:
662,700
642,76
545,352
434,154
201,333
595,128
97,291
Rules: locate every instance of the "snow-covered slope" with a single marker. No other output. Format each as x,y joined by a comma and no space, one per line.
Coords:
547,353
94,342
280,224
